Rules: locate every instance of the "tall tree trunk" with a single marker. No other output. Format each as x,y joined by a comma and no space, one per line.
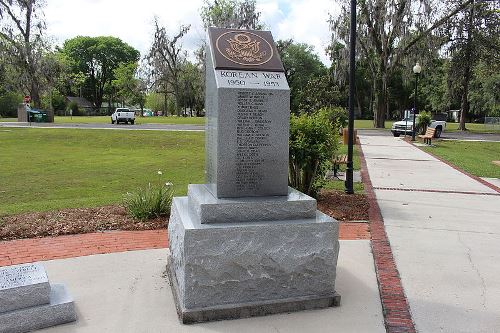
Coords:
35,93
467,70
380,103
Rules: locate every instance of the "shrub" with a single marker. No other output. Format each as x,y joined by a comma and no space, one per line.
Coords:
150,202
423,120
9,103
313,142
73,106
338,117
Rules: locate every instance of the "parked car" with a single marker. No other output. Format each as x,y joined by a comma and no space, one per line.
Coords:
123,115
406,126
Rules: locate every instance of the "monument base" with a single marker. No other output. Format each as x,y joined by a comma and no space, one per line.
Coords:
60,310
246,310
242,269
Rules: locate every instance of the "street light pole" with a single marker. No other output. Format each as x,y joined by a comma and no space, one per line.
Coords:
349,189
416,70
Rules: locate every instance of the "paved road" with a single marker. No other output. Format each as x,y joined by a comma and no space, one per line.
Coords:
444,230
142,127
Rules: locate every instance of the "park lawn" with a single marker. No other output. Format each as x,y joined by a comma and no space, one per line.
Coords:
368,124
474,157
9,120
138,120
49,169
473,127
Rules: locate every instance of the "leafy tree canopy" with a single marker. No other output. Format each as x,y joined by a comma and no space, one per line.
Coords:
98,58
301,66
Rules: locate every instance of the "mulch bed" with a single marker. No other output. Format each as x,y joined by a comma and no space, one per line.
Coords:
342,206
337,204
73,221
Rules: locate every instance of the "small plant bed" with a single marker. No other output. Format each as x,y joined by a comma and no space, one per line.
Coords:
73,221
344,207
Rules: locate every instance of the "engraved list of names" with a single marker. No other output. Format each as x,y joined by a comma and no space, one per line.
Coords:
253,131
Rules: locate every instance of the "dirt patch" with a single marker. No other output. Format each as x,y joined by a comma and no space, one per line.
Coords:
337,204
73,221
342,206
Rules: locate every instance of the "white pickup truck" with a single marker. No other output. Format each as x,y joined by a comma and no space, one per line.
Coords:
406,126
123,115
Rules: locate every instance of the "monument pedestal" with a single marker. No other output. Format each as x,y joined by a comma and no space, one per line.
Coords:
29,302
255,267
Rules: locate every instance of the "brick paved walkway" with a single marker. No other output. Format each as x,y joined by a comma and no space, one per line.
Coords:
37,249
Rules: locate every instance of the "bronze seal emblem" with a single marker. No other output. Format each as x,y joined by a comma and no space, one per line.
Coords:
244,48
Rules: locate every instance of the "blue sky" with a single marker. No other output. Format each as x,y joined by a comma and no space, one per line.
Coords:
132,21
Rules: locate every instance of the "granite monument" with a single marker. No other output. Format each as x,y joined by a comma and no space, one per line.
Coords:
29,302
245,244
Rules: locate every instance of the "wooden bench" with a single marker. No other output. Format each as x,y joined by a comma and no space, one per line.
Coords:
337,162
429,134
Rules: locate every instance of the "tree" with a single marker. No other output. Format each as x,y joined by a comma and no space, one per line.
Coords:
475,36
387,31
484,93
192,95
97,58
234,14
21,30
130,84
301,66
167,60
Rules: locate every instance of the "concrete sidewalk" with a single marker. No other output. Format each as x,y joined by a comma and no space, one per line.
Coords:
444,230
128,292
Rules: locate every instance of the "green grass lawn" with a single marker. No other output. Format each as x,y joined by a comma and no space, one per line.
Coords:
473,157
478,128
10,120
138,120
47,169
368,124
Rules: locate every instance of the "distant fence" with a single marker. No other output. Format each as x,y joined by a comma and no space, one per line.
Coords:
492,123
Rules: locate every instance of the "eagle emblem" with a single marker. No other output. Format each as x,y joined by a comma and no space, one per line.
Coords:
243,47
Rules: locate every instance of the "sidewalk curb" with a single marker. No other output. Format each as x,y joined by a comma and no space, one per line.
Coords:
395,307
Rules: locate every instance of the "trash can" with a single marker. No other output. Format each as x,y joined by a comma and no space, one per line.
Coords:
345,136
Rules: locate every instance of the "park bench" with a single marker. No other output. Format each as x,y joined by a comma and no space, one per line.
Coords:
337,162
429,134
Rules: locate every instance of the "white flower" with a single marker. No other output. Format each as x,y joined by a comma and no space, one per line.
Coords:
168,184
160,173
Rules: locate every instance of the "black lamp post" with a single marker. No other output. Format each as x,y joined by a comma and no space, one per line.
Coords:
349,189
416,70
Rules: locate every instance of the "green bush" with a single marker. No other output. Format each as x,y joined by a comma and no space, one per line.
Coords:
73,106
338,117
313,141
54,99
9,103
150,202
424,119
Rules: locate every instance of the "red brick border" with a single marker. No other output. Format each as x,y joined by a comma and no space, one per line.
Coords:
36,249
354,231
397,315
